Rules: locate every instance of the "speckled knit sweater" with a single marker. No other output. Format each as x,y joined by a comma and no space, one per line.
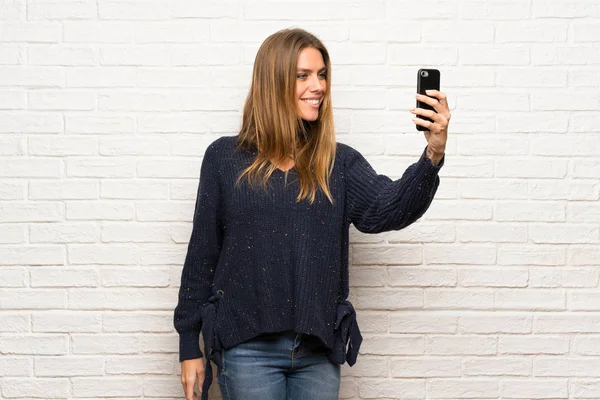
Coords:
258,261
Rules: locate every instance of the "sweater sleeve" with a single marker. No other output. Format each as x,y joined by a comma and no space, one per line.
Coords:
375,203
201,259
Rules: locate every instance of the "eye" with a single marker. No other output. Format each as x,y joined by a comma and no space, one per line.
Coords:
301,76
323,75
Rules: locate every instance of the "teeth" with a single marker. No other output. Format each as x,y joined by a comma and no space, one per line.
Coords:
312,101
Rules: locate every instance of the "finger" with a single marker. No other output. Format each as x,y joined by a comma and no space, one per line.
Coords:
423,123
436,117
431,101
189,389
440,96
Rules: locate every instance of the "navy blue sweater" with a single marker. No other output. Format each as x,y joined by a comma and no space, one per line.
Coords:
258,261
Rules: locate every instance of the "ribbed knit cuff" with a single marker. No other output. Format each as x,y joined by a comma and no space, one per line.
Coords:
189,346
425,171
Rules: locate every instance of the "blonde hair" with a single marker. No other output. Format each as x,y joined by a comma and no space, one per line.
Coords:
271,121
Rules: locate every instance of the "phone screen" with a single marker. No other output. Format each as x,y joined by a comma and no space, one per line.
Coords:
427,79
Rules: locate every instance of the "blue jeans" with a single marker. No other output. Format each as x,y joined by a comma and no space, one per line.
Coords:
279,366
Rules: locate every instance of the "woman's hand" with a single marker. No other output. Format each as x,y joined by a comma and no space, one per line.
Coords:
437,131
192,370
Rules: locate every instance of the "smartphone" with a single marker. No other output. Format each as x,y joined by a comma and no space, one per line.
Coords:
426,79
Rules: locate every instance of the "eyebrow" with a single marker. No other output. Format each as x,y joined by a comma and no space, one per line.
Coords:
310,70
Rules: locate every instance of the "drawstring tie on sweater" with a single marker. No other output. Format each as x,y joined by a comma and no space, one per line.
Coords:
347,339
212,344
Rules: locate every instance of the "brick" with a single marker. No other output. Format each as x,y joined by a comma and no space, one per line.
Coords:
159,364
388,299
391,388
565,9
62,146
458,299
164,211
533,299
137,322
573,323
493,277
563,277
459,210
65,10
393,345
85,254
13,233
203,54
563,367
107,387
506,54
133,146
61,100
34,77
564,234
13,299
98,125
64,277
49,388
133,102
64,233
461,345
31,168
122,299
368,277
534,389
386,255
533,345
106,344
530,211
586,346
499,323
60,55
180,31
463,254
426,367
12,54
531,31
68,366
135,232
12,190
583,301
110,210
12,322
423,232
415,55
555,189
12,100
491,232
371,366
13,277
496,366
584,255
35,345
32,255
72,189
15,366
125,10
100,167
135,189
101,77
136,277
423,322
538,78
463,388
424,277
97,32
468,168
205,100
65,322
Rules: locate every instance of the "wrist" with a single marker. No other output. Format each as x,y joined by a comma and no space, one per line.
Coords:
434,155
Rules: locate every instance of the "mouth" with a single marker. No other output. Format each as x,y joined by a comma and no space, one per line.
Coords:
314,102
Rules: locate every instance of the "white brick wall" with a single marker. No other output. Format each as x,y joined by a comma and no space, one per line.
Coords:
107,106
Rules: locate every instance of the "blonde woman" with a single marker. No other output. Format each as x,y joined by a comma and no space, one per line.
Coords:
266,273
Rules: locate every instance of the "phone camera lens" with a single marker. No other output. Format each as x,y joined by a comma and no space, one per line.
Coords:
424,74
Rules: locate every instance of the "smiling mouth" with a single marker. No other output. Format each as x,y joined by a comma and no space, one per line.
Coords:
314,102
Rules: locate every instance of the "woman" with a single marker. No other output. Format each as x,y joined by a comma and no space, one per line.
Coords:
266,273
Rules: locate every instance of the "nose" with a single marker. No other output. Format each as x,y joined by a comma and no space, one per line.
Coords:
316,85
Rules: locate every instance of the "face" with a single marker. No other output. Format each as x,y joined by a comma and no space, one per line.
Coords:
311,83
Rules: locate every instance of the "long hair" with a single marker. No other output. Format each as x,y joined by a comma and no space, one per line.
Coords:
272,124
